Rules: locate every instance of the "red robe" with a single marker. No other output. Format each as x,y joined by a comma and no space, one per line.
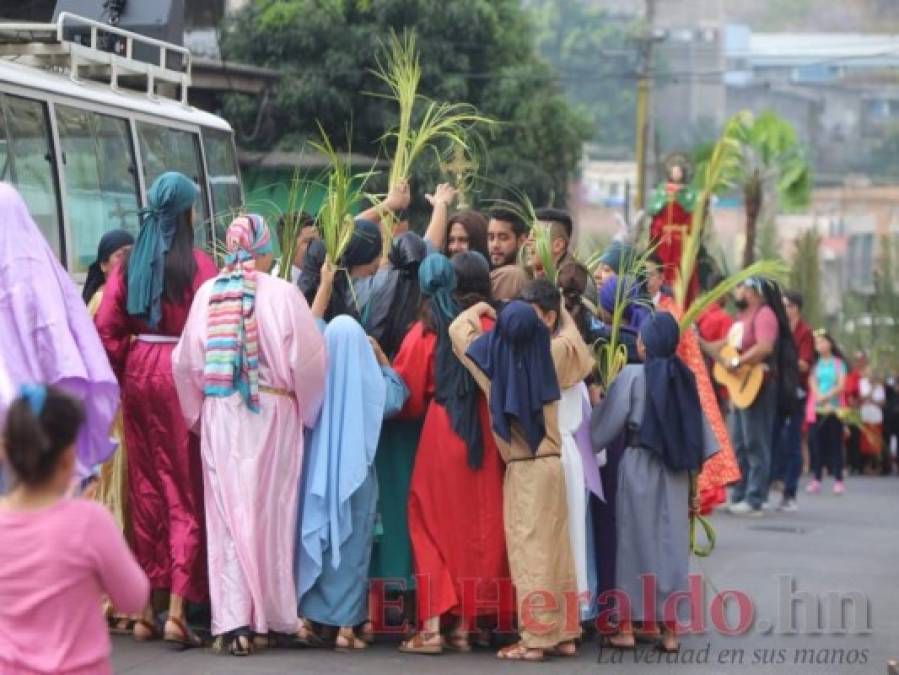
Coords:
165,479
455,513
670,226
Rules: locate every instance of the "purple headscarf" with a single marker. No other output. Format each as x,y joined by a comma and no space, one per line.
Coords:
46,334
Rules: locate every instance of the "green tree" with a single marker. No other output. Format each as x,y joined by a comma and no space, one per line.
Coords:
805,276
475,51
596,58
774,171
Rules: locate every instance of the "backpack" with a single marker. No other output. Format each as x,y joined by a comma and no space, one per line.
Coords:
785,360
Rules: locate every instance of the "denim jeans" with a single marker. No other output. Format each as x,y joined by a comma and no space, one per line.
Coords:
751,430
787,455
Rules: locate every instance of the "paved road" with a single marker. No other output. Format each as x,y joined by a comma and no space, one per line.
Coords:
832,544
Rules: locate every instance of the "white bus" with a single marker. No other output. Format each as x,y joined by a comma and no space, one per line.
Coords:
83,149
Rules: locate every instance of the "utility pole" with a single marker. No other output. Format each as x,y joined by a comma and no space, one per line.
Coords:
644,87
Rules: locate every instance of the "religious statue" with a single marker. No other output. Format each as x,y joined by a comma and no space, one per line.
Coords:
671,208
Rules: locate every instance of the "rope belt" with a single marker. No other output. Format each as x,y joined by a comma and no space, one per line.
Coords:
531,459
276,391
157,339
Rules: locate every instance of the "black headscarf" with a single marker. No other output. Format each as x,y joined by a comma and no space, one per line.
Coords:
516,356
393,309
110,242
672,419
455,389
365,244
310,278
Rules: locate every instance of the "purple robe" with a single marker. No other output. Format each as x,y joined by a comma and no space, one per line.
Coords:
46,334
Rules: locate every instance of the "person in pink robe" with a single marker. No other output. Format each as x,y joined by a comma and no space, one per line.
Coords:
144,308
250,400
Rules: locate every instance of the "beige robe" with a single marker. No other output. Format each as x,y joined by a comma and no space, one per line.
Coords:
535,509
507,281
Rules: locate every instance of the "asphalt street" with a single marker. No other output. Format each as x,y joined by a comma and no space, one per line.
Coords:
834,553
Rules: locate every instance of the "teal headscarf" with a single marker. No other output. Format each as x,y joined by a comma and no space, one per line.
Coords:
170,195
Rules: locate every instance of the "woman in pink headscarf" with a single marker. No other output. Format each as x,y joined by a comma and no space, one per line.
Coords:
250,374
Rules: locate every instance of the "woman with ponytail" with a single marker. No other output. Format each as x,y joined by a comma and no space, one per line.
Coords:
456,495
250,372
60,556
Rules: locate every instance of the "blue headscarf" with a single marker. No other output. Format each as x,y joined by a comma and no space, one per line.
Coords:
634,313
170,195
455,388
516,355
619,256
672,418
341,448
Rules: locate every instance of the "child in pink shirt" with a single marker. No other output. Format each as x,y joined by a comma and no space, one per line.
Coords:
59,556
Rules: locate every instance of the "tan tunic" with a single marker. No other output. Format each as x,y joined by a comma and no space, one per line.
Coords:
507,281
535,509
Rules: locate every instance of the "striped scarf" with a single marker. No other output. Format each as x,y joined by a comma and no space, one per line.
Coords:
232,340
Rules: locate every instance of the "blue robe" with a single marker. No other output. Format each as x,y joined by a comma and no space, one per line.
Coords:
340,488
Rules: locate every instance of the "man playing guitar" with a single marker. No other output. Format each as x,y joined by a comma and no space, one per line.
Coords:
754,335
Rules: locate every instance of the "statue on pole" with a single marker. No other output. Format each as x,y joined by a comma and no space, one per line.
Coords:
671,210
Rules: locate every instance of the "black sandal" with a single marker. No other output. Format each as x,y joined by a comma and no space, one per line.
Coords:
240,642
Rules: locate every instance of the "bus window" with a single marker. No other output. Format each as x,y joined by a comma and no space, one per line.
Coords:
100,179
27,162
164,149
224,178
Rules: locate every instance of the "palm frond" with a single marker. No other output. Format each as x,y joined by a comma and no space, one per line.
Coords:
717,173
441,123
542,243
774,270
344,191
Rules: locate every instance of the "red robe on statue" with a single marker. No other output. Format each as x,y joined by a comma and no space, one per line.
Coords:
672,220
455,513
165,479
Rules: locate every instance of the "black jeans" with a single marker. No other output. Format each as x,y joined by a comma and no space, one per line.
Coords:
828,431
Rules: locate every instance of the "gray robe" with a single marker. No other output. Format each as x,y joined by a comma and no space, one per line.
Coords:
652,505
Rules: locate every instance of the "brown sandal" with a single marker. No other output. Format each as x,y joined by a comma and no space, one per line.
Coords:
367,633
609,641
563,649
346,641
307,636
152,631
520,652
184,639
418,644
458,642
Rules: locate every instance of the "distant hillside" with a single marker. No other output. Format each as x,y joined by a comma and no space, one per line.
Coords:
816,15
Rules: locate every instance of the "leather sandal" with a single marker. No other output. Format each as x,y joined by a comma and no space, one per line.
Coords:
520,652
346,641
564,649
185,638
152,632
421,643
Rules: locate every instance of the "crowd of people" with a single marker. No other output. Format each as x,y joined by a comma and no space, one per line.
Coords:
413,440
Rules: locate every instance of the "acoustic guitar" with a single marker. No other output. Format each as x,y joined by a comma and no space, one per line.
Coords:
744,383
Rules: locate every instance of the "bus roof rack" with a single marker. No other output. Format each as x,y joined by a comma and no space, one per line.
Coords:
93,50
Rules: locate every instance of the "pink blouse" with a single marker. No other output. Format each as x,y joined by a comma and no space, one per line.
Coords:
56,564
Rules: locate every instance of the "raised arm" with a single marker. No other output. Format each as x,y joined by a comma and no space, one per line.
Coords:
440,203
464,330
398,198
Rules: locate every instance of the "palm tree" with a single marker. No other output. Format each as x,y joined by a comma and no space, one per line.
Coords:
774,171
